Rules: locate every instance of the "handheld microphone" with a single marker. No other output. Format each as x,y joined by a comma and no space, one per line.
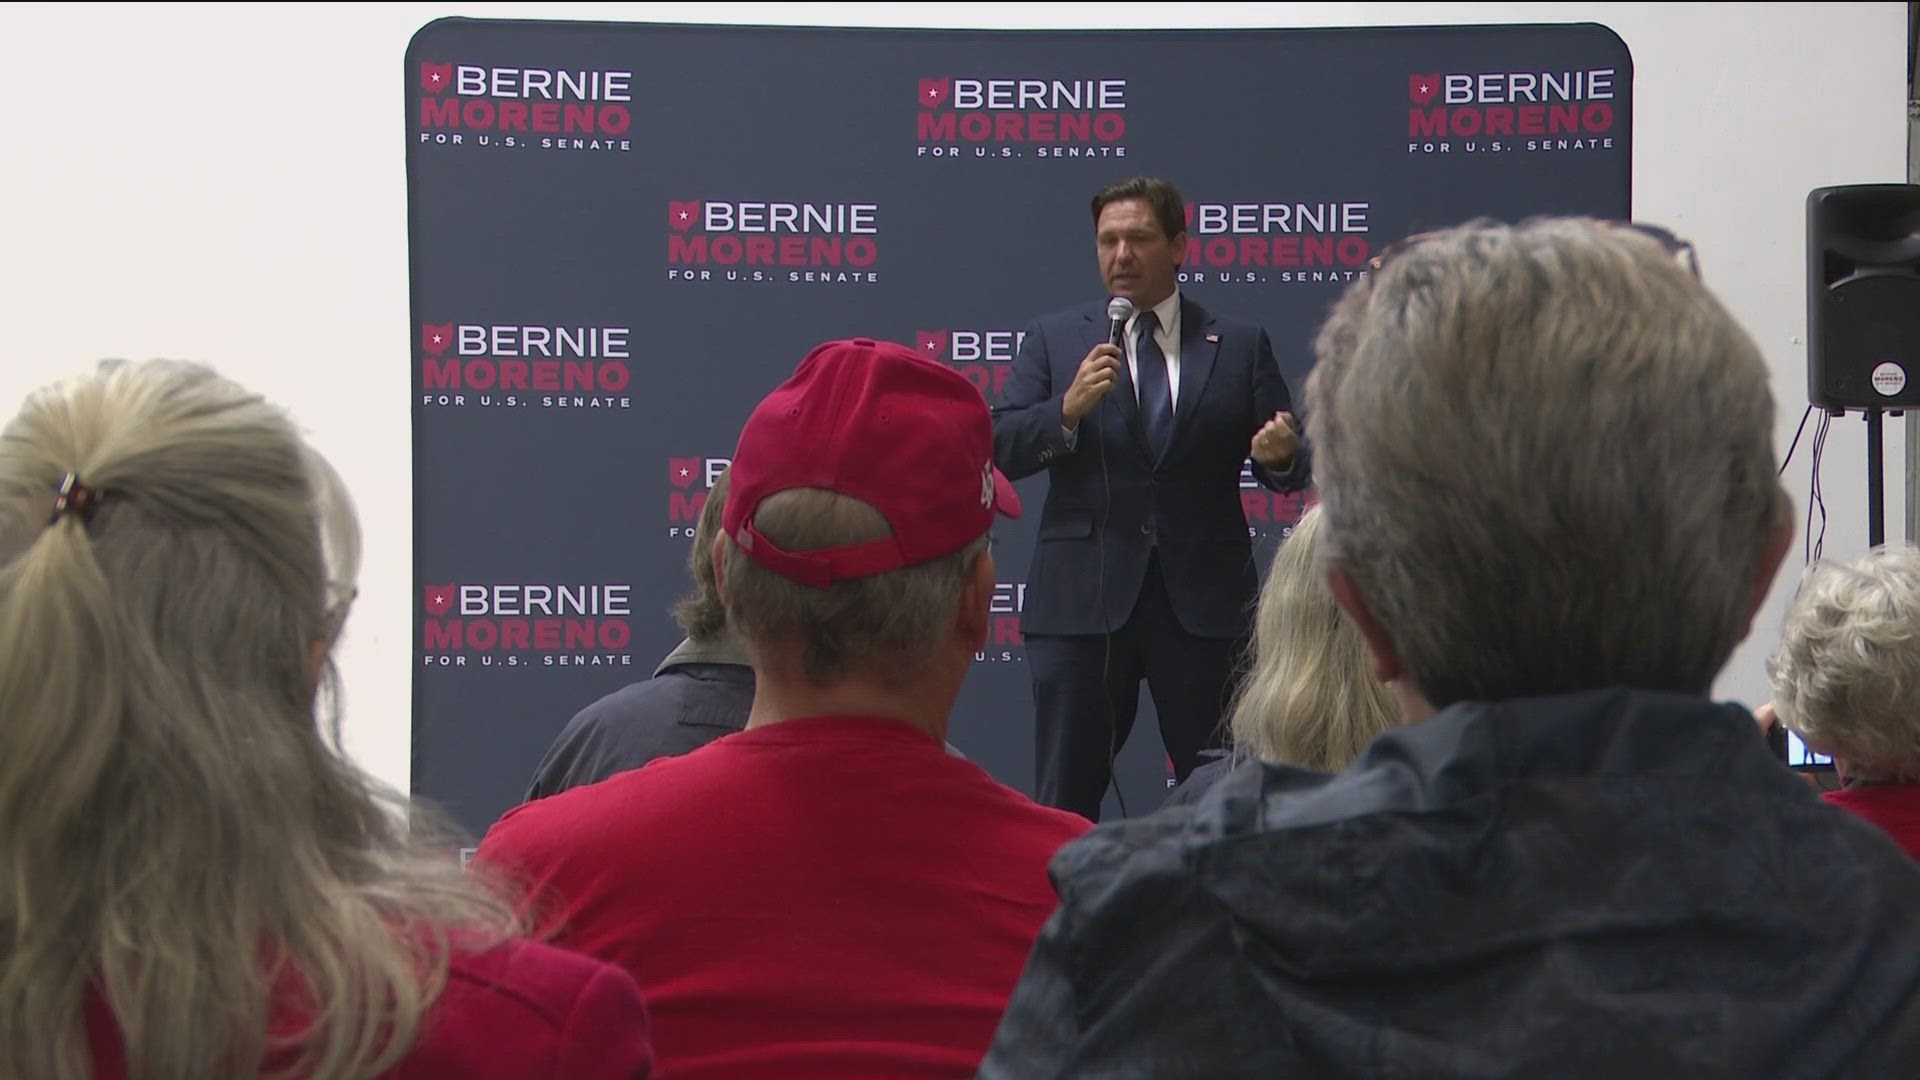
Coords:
1119,310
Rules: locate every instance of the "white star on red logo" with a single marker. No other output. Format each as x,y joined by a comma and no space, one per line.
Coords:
435,76
932,92
683,215
436,339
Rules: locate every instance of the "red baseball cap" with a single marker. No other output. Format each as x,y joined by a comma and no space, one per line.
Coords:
873,421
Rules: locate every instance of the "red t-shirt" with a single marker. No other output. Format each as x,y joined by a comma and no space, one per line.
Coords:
515,1011
1893,807
833,897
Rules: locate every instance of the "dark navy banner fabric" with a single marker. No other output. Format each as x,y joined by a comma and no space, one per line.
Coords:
622,236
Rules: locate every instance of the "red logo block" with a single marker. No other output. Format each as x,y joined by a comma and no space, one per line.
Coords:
683,215
435,337
931,344
1421,88
435,77
439,598
933,92
681,471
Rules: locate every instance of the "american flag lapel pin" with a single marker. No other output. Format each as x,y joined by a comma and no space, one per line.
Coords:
1213,339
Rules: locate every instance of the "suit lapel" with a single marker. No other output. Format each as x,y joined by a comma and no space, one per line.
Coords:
1198,347
1123,394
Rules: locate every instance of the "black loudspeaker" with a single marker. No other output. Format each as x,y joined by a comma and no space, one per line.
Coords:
1863,296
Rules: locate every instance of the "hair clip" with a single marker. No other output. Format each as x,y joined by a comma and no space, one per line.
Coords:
75,498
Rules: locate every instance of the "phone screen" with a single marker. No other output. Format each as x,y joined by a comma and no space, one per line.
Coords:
1795,753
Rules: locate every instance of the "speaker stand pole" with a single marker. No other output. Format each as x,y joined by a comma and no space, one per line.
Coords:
1876,495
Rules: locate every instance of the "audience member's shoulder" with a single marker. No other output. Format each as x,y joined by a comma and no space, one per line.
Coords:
542,979
1835,842
633,791
522,1008
585,735
1166,841
1200,781
1263,798
1064,825
635,697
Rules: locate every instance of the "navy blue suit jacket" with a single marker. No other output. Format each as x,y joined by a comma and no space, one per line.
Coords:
1096,531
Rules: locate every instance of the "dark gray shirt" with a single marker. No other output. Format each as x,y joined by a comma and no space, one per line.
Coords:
700,692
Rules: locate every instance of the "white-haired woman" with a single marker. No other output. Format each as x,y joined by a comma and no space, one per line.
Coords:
1846,679
192,883
1311,699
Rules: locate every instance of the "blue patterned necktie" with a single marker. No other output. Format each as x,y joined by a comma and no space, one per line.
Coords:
1156,397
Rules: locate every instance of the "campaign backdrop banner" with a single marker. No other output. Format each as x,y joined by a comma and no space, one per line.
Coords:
622,236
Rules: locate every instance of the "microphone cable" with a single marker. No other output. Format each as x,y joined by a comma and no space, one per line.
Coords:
1119,309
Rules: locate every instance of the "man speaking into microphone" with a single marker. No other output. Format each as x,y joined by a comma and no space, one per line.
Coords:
1142,406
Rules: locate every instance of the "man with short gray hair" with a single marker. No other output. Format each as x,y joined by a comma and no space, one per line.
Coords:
1551,508
828,893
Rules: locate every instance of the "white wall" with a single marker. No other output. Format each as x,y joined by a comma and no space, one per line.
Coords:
224,182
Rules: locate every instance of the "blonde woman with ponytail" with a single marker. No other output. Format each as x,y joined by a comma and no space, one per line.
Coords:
194,885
